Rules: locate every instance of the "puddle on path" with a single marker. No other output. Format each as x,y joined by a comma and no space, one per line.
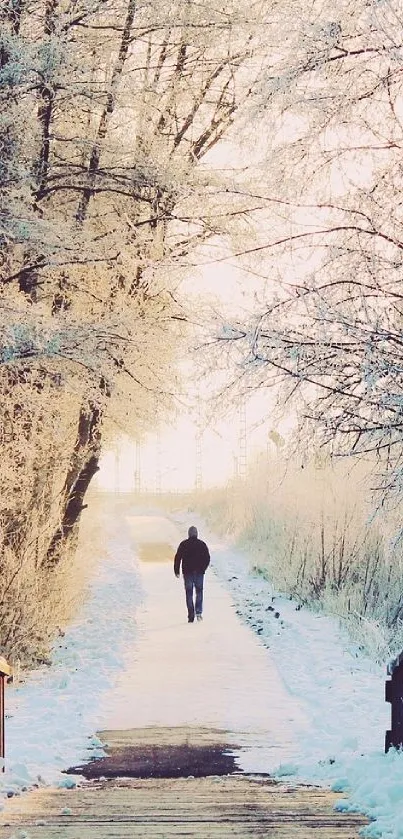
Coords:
155,552
162,753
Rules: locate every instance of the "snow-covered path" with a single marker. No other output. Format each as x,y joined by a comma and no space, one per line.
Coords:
213,674
296,695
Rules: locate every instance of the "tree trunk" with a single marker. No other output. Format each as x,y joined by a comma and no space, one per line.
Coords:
83,467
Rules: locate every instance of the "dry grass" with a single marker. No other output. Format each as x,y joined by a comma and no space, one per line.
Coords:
315,534
36,603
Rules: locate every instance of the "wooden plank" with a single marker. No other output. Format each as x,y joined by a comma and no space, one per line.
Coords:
203,808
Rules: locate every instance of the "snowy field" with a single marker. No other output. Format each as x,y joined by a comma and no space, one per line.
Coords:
53,717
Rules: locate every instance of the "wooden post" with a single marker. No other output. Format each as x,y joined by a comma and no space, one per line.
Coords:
5,670
394,695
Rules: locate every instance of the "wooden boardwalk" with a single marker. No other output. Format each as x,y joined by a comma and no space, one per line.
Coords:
165,783
204,808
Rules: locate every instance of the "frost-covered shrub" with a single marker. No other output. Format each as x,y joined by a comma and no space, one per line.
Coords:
316,536
36,602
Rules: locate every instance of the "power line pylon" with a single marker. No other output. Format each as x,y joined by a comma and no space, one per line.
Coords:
199,448
158,475
199,461
243,444
137,467
117,470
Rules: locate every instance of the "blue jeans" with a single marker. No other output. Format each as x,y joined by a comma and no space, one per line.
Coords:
194,581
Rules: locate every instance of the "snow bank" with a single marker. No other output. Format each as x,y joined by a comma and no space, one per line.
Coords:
52,717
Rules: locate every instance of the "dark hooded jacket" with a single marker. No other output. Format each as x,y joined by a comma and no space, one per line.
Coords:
194,556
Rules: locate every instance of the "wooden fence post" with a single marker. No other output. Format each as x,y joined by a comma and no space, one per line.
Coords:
394,695
5,671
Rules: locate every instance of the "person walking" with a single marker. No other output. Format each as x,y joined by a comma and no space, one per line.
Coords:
194,556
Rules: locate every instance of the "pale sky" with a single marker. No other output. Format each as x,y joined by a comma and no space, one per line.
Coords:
170,459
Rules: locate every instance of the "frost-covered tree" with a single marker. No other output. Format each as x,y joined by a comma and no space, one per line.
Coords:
330,239
109,112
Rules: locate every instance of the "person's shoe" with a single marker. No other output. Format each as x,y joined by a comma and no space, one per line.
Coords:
190,620
199,617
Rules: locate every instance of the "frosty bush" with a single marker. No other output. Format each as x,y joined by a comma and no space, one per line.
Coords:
37,602
313,533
